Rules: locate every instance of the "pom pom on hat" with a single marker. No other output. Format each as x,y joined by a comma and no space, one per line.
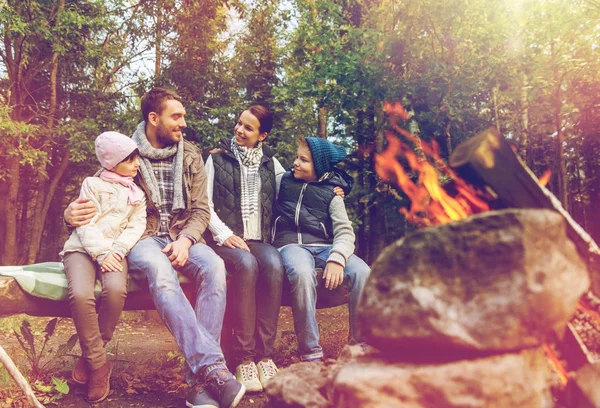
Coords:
325,154
112,148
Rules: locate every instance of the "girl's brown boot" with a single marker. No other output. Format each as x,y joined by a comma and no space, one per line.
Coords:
99,384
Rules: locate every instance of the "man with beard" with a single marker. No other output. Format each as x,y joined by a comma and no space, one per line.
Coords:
174,180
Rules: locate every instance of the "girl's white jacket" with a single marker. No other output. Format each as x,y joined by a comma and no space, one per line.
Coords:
117,226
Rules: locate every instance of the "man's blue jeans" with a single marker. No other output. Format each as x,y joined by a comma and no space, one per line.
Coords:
196,330
299,262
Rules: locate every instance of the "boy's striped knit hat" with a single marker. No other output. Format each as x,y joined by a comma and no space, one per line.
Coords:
325,154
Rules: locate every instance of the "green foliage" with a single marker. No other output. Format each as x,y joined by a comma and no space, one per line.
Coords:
458,66
50,392
5,378
42,360
16,139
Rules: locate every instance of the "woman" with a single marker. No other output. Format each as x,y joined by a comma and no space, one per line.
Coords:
243,178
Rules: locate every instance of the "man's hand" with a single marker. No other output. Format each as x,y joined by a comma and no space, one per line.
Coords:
339,191
236,242
178,251
112,263
80,212
333,275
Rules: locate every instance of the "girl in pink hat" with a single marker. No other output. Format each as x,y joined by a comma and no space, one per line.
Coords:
97,251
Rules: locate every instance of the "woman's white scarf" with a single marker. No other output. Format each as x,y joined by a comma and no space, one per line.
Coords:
251,158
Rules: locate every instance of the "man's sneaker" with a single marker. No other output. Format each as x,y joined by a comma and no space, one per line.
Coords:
247,374
81,372
198,397
223,386
266,370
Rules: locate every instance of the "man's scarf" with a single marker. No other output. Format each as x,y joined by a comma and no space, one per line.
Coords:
147,153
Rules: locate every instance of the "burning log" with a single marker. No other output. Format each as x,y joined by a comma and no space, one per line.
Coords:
488,162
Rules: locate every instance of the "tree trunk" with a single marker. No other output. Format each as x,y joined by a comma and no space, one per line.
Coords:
10,253
380,127
361,185
46,192
158,40
524,118
448,136
322,122
495,97
40,217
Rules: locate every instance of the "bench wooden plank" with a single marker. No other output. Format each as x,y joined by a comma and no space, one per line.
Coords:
14,300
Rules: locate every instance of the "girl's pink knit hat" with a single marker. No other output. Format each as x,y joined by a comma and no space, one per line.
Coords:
112,148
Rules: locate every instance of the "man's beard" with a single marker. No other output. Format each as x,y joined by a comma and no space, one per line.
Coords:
165,136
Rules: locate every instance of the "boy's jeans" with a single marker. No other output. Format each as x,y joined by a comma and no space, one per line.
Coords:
196,330
299,262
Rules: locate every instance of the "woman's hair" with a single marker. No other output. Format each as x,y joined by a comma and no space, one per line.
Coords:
154,100
264,116
131,156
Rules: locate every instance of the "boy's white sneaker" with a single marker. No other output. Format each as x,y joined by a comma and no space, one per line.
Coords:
266,370
247,374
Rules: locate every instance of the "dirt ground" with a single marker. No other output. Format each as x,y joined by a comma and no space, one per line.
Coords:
147,366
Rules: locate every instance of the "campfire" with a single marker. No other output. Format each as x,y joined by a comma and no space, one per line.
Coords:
491,177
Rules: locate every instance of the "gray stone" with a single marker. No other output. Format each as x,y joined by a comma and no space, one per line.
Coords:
505,380
496,281
299,385
583,390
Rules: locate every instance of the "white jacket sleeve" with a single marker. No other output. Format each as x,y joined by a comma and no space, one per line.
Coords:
279,172
136,225
90,235
218,229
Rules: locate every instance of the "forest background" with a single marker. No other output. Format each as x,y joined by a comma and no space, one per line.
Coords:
70,69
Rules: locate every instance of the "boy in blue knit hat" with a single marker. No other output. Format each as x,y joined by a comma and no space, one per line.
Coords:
312,230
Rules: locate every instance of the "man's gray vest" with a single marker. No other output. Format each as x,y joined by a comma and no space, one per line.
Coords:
227,190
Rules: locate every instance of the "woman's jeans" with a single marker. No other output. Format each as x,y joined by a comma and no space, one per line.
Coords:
94,330
196,330
256,280
300,262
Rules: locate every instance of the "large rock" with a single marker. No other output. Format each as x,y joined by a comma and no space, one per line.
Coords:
505,380
496,281
583,390
299,385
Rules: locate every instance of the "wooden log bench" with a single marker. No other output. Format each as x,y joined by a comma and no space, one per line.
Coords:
15,300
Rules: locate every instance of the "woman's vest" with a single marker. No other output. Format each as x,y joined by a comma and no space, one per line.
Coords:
227,190
303,210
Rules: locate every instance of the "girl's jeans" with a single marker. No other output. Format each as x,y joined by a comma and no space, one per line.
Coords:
299,262
196,329
94,330
257,277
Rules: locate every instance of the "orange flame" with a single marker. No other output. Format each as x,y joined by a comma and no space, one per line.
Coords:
545,178
557,365
431,204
